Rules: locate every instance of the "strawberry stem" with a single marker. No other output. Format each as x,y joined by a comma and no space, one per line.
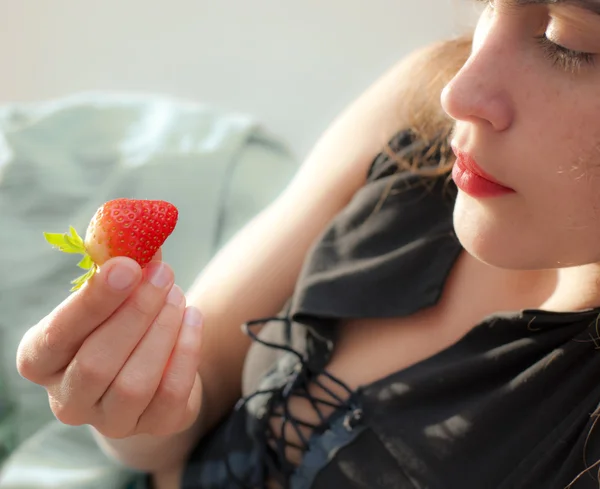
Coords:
72,243
79,281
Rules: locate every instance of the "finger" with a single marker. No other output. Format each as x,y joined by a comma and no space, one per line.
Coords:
176,402
135,385
49,346
157,258
105,351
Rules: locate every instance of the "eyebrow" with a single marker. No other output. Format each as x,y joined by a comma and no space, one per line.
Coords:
591,5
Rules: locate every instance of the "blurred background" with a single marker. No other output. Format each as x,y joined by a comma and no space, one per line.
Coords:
209,104
293,65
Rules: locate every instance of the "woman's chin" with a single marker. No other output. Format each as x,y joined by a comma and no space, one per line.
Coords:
492,239
489,253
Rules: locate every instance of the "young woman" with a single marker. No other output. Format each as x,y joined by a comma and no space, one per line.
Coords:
429,314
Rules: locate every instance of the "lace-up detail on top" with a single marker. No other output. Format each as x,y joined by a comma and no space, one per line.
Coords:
300,408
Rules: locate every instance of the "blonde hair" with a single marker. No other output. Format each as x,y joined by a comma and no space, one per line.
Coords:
426,118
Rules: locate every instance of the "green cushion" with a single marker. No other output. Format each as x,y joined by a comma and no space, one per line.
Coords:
60,160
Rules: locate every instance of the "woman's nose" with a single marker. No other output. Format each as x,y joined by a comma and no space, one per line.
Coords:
479,93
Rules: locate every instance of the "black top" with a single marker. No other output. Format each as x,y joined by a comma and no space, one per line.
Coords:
508,406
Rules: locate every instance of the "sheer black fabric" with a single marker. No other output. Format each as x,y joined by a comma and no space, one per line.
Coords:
512,405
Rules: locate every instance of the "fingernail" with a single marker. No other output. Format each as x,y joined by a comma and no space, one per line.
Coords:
192,317
159,275
175,296
121,277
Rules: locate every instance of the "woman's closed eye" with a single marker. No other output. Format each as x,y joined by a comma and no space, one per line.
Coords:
565,58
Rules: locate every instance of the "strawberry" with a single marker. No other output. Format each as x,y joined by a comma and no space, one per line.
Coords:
121,227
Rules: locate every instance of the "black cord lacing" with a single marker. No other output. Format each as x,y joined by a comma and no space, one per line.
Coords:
277,465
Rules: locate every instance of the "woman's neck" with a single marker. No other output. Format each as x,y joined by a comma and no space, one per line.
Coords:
577,288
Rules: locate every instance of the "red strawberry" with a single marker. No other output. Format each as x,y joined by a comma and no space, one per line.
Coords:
121,227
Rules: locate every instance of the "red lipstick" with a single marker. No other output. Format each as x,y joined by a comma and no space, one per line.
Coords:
473,180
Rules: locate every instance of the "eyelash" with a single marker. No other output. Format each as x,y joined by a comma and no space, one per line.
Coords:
560,56
564,58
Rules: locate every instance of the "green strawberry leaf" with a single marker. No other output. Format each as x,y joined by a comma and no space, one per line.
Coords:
79,281
74,235
60,241
74,244
86,263
55,239
66,243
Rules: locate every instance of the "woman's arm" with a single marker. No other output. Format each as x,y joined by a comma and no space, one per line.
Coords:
255,273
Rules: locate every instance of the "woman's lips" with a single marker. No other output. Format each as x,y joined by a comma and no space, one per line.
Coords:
473,180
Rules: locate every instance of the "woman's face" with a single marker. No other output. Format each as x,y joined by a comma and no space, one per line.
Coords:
527,111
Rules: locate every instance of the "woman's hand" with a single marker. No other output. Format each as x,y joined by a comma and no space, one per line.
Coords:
121,354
